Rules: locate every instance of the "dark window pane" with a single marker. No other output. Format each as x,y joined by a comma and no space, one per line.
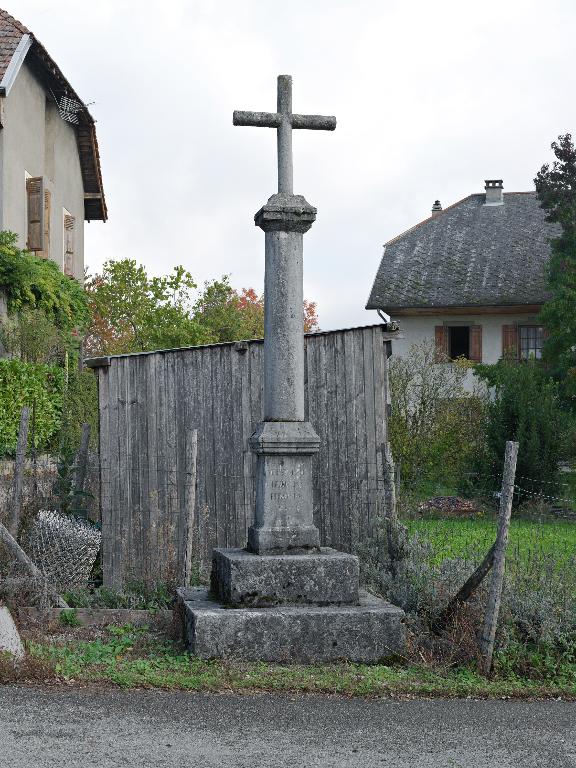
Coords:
459,341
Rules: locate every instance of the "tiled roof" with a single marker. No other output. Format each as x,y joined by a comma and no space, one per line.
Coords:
470,254
11,33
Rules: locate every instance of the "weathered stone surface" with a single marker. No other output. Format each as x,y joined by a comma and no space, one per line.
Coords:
286,213
368,633
284,514
283,327
9,638
240,578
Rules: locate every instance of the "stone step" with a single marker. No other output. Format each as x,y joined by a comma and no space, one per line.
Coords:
242,579
368,633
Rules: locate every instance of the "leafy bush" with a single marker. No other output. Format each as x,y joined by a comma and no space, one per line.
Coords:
30,282
525,408
31,336
436,425
33,385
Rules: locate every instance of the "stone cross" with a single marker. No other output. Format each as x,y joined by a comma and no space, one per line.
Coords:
284,121
284,442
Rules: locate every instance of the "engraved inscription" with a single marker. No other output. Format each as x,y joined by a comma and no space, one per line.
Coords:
285,483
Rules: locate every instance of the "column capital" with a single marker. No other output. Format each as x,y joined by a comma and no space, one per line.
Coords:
286,213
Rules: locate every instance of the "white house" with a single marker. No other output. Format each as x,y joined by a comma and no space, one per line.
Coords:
50,177
471,278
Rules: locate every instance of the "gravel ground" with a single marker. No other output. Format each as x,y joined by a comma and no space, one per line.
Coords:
44,728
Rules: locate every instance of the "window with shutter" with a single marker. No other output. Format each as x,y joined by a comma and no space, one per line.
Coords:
47,207
441,341
509,340
475,343
69,228
35,213
454,341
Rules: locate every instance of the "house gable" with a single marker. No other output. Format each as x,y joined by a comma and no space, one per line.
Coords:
18,46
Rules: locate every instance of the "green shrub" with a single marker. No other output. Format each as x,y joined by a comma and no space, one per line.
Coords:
34,385
69,617
526,408
436,425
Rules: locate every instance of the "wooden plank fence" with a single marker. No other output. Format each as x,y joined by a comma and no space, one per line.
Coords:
153,408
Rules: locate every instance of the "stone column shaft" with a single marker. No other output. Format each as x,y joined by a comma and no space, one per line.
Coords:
283,328
284,442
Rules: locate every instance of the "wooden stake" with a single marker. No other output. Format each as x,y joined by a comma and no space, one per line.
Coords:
82,460
495,596
465,592
392,532
16,500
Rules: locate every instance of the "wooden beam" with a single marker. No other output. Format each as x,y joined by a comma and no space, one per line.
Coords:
519,309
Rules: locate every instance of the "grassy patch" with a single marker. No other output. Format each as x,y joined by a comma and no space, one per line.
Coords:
128,658
470,537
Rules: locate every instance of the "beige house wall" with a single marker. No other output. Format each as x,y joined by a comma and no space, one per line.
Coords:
421,328
36,141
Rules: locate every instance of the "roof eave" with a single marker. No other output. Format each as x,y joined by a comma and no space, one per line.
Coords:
51,74
470,309
15,65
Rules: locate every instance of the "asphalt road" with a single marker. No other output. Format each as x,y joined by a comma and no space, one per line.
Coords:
79,727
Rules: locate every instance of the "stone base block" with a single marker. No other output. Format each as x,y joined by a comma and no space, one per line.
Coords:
293,540
367,633
242,579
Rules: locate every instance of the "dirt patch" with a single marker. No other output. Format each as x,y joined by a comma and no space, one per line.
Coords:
449,506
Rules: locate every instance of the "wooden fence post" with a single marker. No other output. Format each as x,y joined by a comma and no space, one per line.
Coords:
190,504
495,595
392,527
82,460
16,500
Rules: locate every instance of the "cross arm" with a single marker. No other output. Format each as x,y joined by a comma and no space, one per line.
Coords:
314,122
257,119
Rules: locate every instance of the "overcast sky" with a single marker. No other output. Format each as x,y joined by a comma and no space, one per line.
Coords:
431,98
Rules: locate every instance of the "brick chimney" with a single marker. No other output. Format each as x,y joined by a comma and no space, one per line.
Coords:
436,208
494,194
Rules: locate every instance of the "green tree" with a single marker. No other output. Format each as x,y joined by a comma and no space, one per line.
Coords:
227,315
132,312
556,188
525,407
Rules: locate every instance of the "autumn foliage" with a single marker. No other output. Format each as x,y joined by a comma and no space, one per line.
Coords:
132,312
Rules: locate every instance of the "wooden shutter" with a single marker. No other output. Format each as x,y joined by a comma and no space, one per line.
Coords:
441,341
35,209
69,231
509,340
47,207
476,343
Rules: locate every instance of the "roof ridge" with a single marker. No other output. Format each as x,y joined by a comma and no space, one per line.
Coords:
18,26
430,218
448,208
